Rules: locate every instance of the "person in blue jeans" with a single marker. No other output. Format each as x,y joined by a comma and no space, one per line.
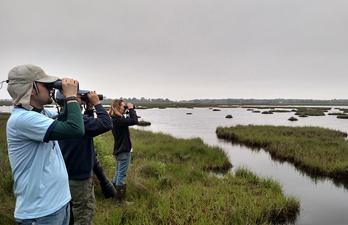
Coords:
122,117
41,184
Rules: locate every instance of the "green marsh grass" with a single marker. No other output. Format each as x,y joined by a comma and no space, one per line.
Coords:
343,116
171,181
144,123
267,112
314,111
318,151
6,183
6,103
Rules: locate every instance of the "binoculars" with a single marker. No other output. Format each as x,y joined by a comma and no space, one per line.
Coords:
85,98
57,85
126,107
107,187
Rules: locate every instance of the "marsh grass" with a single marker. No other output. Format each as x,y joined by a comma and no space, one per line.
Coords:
6,103
144,123
318,151
171,182
344,110
300,111
293,118
267,112
6,183
336,114
314,111
343,116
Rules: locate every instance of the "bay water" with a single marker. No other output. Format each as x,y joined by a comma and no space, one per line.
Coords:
323,201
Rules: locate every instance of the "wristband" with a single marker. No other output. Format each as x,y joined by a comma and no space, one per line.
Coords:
71,98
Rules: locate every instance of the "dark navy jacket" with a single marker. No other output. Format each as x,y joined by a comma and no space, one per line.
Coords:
79,154
120,131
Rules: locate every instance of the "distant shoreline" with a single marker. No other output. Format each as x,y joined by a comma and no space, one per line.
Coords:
231,104
216,102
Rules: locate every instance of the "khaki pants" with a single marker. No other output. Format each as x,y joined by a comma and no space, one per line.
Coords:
82,201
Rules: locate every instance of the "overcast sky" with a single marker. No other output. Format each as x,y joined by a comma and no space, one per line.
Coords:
183,49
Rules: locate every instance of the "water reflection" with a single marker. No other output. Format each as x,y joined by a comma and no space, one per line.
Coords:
338,182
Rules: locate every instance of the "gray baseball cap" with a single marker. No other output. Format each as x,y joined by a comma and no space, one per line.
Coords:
20,83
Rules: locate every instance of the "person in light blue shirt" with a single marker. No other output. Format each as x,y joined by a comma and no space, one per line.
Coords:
41,185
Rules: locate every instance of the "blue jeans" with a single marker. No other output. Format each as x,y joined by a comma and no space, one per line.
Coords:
60,217
122,163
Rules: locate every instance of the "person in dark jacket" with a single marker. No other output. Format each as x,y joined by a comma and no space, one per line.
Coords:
80,158
122,146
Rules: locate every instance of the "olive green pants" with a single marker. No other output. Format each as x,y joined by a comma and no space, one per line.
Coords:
82,202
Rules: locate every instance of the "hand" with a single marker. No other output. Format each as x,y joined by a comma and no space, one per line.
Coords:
130,105
69,87
93,99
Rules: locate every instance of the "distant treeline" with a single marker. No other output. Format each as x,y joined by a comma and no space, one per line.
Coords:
225,101
235,101
141,100
268,101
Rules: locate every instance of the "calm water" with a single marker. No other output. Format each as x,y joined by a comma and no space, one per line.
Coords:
322,200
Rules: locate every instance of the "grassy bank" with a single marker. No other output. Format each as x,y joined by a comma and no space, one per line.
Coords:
6,183
315,150
172,182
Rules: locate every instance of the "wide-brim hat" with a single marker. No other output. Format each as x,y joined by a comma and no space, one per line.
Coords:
20,83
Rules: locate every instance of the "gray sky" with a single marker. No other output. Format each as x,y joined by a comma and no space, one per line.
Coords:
183,49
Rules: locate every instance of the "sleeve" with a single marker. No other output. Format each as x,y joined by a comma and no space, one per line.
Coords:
33,126
72,127
99,125
129,121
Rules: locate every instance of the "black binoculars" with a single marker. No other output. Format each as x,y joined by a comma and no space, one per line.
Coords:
126,107
107,187
85,98
57,85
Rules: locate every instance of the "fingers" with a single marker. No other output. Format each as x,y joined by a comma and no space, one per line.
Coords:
93,98
69,81
91,93
70,87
